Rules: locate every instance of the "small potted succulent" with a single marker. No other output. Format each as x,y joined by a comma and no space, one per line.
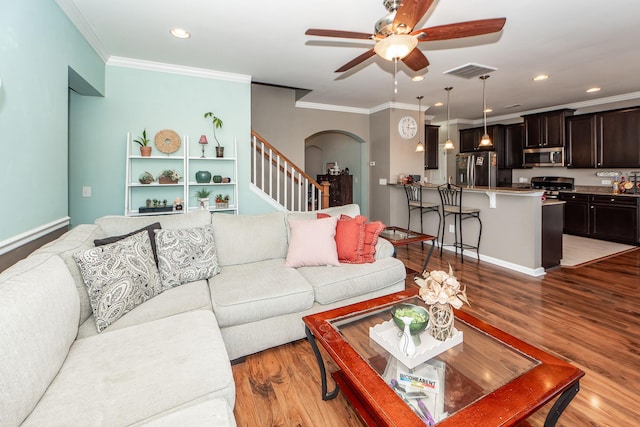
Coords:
203,198
143,141
146,178
169,176
222,202
217,124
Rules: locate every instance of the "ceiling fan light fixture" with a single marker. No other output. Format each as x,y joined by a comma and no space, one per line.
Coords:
396,46
179,33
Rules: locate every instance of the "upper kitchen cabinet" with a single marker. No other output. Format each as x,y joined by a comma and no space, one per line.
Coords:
470,139
545,129
513,142
618,138
431,146
581,141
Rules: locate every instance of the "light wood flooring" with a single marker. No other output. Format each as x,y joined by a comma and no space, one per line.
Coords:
589,316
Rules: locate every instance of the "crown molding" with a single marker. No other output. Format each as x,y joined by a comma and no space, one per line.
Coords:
139,64
70,9
331,107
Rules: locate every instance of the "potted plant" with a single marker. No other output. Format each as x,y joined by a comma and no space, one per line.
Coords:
143,141
169,176
217,124
146,178
203,198
222,201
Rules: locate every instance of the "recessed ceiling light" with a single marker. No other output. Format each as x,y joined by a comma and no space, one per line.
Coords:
540,77
593,89
417,78
438,104
488,110
180,33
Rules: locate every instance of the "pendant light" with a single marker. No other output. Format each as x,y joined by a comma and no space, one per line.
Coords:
486,140
420,146
448,145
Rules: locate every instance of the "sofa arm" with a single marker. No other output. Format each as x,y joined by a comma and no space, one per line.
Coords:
384,249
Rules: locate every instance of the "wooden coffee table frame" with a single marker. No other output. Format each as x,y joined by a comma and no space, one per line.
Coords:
377,404
415,237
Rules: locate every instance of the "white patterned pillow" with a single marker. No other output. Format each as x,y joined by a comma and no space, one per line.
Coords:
186,255
119,277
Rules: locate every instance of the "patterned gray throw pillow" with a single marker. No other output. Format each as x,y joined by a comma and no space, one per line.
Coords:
119,277
186,255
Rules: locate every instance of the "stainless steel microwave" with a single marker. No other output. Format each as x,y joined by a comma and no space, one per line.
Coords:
549,156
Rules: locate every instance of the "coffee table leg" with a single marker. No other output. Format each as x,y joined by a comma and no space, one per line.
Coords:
323,372
426,261
561,404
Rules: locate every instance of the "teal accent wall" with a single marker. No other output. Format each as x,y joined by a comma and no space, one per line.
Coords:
38,46
137,99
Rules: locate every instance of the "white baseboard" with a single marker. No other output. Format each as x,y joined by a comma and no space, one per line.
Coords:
535,272
15,242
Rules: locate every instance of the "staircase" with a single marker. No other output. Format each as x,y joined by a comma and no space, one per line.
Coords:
281,182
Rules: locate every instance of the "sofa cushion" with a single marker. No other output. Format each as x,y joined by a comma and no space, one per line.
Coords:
213,412
312,242
350,280
352,210
188,297
152,238
242,294
80,237
349,237
243,239
39,311
371,232
129,375
119,276
113,225
186,255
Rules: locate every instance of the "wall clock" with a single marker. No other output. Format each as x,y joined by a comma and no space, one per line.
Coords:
407,127
167,141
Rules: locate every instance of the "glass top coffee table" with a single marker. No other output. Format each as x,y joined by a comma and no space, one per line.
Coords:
490,379
399,236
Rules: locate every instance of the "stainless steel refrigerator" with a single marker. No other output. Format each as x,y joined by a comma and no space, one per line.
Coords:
477,169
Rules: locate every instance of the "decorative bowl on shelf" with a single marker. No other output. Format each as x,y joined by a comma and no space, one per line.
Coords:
420,317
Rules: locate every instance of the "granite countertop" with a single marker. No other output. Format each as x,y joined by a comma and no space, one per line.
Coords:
551,202
605,190
479,189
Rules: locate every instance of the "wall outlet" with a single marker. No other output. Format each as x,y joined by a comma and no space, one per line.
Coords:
382,181
452,228
86,191
605,182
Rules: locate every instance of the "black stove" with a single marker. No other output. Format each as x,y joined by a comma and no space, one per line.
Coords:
552,184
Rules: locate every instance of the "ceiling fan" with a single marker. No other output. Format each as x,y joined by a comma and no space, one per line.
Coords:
397,40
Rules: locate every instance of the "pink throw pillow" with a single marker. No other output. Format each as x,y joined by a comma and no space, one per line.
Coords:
312,242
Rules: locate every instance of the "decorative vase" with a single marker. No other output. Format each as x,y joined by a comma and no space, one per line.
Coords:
203,177
204,203
167,180
219,151
217,179
145,151
407,346
441,321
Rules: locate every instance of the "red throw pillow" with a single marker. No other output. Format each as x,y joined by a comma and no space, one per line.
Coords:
371,232
349,238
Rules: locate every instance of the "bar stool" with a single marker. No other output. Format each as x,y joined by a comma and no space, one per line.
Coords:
415,202
451,198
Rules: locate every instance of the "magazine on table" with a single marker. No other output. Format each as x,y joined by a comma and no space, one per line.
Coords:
422,387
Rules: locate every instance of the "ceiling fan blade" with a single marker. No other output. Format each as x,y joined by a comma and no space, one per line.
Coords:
409,13
416,60
355,61
460,30
337,33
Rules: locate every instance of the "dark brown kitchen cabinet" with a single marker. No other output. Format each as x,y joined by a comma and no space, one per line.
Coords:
545,129
615,218
470,139
618,138
580,149
431,146
552,215
340,189
513,142
576,213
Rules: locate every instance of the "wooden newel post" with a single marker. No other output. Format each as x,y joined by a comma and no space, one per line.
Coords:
325,194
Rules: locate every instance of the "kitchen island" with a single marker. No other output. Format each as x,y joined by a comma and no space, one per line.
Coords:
511,223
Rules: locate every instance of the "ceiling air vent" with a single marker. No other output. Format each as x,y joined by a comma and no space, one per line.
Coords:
470,71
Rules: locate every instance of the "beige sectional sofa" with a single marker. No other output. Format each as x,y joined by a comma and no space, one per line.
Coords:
167,361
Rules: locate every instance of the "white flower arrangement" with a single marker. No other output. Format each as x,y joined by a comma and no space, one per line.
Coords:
441,288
